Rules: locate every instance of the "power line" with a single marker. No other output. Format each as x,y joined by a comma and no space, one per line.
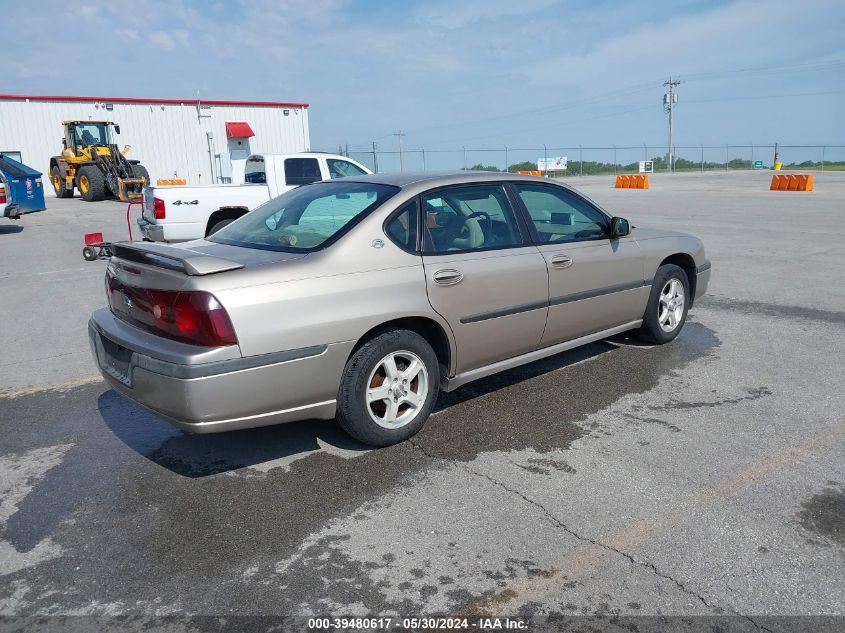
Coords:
633,89
779,68
630,90
531,112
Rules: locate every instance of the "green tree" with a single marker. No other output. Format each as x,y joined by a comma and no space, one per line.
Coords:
739,163
480,167
526,166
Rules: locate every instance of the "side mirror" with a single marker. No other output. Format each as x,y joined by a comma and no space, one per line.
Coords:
619,227
117,129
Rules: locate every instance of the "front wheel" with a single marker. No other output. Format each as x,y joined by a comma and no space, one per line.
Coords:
59,184
91,183
388,388
667,307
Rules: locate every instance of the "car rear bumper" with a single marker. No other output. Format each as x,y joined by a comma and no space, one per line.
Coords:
150,231
12,211
219,395
171,231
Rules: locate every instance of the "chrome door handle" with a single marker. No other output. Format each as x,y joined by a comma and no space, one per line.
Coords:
448,277
561,261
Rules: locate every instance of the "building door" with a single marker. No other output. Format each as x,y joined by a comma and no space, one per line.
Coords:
239,151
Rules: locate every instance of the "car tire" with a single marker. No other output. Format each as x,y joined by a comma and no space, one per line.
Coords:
414,376
667,307
219,225
91,184
59,184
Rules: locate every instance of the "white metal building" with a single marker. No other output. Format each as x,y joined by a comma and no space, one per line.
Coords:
203,142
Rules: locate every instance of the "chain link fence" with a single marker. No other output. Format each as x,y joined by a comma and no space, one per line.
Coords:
604,160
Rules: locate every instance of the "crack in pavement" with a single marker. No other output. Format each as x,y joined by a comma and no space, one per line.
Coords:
586,539
558,523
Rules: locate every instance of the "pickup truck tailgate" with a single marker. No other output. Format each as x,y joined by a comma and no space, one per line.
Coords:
147,210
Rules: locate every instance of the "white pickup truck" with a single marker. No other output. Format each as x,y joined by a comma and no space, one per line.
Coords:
178,213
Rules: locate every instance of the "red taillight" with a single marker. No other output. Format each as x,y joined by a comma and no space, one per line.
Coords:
190,316
2,194
158,209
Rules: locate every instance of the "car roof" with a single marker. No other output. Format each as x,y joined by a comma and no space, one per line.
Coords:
415,183
433,178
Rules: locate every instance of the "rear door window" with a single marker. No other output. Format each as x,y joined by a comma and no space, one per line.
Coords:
468,218
302,171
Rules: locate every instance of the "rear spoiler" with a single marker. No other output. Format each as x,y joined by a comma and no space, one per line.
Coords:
182,259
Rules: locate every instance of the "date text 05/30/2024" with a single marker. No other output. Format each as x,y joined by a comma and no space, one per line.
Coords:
482,624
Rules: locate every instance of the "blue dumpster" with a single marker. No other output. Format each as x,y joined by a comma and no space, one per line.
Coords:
22,188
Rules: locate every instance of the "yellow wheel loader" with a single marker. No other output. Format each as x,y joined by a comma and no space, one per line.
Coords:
92,163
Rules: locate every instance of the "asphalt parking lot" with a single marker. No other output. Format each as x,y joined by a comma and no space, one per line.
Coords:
705,477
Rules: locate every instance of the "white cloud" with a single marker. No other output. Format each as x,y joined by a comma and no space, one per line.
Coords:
444,63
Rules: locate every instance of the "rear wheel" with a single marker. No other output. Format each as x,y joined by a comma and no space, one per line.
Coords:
219,225
667,307
59,184
91,184
389,388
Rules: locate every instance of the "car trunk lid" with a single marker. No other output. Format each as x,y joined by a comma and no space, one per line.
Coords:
198,258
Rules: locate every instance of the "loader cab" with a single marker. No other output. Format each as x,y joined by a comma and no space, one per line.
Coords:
80,135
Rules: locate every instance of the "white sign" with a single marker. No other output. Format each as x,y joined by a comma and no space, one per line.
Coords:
558,163
646,167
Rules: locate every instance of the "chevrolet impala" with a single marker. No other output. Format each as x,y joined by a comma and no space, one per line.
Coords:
359,299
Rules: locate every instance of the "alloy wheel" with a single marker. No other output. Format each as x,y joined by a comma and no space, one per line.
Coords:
670,308
397,389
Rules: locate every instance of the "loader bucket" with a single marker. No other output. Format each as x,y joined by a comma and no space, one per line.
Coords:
130,189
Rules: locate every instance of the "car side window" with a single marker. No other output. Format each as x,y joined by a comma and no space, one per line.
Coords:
467,218
301,171
402,227
560,216
343,168
254,171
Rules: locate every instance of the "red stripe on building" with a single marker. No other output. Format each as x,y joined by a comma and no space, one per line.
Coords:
144,100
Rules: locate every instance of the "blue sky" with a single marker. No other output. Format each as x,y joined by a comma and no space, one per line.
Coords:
474,73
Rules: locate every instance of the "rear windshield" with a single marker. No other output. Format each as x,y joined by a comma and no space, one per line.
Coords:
306,218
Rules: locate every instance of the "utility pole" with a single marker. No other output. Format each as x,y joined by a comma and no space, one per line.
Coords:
669,101
399,136
375,157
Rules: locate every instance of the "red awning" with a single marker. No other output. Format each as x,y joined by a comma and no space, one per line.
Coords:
238,129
